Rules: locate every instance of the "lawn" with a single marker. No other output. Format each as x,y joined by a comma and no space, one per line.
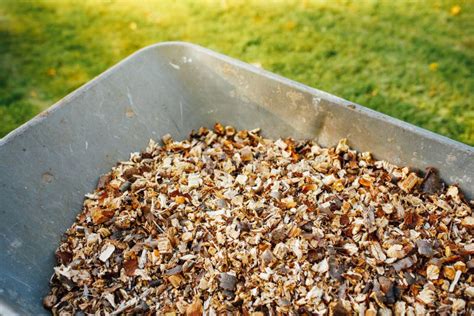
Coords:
411,60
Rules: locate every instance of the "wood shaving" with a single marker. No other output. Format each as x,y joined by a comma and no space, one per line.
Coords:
229,222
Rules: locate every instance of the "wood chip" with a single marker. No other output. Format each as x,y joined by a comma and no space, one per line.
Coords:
229,222
432,272
130,266
426,296
227,281
432,183
396,251
106,253
403,264
175,280
103,181
468,222
409,182
195,308
164,245
425,248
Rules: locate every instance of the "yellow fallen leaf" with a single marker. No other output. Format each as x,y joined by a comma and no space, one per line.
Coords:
455,10
257,19
290,25
51,72
434,66
133,26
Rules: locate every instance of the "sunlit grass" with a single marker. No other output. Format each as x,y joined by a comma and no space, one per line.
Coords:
411,60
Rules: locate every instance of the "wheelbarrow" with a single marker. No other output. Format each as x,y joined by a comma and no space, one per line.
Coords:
49,163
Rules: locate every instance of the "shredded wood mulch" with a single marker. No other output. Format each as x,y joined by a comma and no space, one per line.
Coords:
229,222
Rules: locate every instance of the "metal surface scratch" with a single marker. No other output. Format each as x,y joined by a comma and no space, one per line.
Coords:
174,66
129,95
16,243
20,281
181,113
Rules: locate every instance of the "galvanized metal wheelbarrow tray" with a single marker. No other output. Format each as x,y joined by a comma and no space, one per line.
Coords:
48,164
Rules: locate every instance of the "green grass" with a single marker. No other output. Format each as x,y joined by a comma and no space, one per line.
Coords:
377,54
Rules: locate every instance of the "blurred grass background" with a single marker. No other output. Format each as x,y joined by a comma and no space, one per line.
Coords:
412,60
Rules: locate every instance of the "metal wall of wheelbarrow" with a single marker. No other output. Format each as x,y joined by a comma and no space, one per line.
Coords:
48,164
